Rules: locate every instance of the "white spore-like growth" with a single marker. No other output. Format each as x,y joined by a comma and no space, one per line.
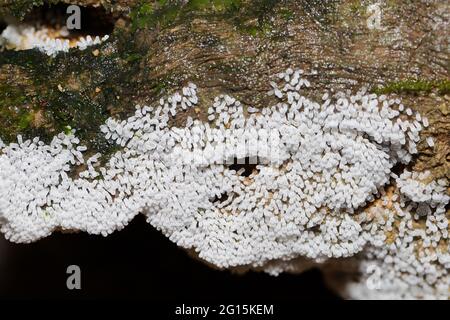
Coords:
316,166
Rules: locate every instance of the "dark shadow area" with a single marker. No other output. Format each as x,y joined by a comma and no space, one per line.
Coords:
95,21
138,262
223,197
247,164
398,168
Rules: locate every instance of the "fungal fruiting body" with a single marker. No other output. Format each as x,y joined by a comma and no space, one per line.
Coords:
47,40
321,187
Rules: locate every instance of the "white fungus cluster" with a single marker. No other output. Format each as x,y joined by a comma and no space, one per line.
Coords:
48,41
314,166
415,262
408,254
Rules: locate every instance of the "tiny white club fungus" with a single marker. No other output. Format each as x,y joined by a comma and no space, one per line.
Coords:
22,37
316,166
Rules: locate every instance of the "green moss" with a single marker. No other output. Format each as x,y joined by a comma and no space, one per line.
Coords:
132,57
166,13
260,29
356,7
254,17
415,87
78,73
67,130
199,4
15,115
286,14
149,15
444,87
72,109
160,87
141,16
214,5
251,30
11,96
25,120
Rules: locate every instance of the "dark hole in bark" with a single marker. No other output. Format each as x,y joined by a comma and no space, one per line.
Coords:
95,21
223,197
398,168
248,164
